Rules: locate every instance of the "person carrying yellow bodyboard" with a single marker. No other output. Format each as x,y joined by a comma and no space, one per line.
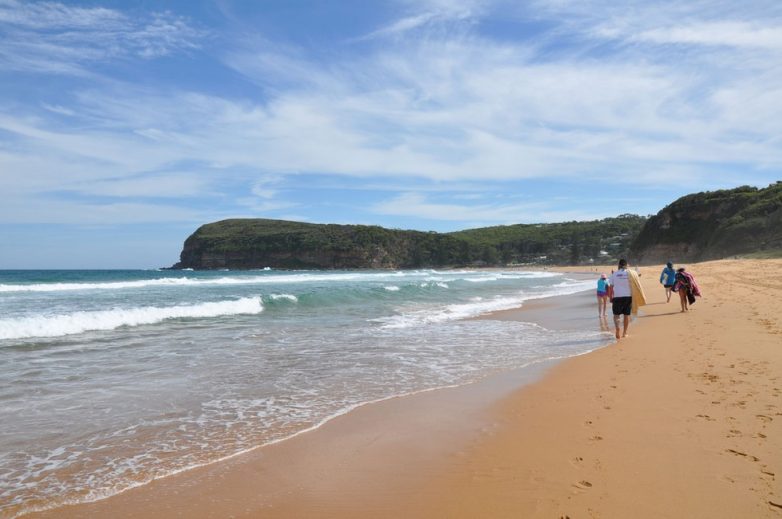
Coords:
628,295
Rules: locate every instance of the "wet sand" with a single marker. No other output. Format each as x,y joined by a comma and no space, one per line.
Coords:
681,419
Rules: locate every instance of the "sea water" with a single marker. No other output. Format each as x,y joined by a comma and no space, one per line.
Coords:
109,379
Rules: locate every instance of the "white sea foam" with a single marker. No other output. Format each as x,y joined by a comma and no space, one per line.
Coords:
285,297
478,307
79,322
227,411
302,277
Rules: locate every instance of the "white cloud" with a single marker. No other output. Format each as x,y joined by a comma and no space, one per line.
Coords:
722,34
38,210
417,205
447,107
427,13
157,185
266,186
53,37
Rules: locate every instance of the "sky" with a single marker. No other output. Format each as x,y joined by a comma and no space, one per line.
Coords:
125,125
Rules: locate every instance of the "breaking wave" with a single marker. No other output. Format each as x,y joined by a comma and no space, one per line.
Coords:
80,322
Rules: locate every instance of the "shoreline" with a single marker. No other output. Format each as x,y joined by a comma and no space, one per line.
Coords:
682,418
486,389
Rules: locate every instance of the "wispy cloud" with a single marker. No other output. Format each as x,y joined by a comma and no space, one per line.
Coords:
445,107
47,211
175,185
720,34
419,206
429,13
59,38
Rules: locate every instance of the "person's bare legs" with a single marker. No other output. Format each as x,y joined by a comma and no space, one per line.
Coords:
667,294
616,325
683,298
604,324
627,323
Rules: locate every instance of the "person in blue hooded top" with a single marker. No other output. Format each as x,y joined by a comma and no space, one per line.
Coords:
668,279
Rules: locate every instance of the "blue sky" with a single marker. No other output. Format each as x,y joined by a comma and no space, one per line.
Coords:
124,125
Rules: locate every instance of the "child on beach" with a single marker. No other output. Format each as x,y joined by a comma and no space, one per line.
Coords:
602,295
668,278
687,288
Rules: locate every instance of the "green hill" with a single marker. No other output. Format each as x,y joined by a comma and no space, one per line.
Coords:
258,243
713,225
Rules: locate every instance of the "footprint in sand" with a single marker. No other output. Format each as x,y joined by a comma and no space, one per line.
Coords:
582,485
743,454
764,418
596,438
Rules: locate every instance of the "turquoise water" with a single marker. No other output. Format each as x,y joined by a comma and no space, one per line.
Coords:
109,379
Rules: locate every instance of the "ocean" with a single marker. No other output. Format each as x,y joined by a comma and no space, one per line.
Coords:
109,379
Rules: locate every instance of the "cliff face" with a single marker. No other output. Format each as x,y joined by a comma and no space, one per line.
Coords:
713,225
259,243
696,227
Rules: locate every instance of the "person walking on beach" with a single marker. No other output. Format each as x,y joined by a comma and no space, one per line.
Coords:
668,278
622,303
687,288
602,295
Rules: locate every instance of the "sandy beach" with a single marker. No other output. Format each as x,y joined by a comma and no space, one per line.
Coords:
681,419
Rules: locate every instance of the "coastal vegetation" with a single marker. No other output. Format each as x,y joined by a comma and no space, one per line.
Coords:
709,225
259,243
713,225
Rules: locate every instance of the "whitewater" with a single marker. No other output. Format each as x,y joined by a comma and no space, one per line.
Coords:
109,379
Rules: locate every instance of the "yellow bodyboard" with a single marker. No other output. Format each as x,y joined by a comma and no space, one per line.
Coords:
636,290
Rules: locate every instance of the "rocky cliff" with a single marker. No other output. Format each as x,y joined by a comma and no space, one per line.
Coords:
258,243
713,225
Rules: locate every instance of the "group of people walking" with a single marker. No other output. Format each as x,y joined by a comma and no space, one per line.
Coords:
682,282
623,289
